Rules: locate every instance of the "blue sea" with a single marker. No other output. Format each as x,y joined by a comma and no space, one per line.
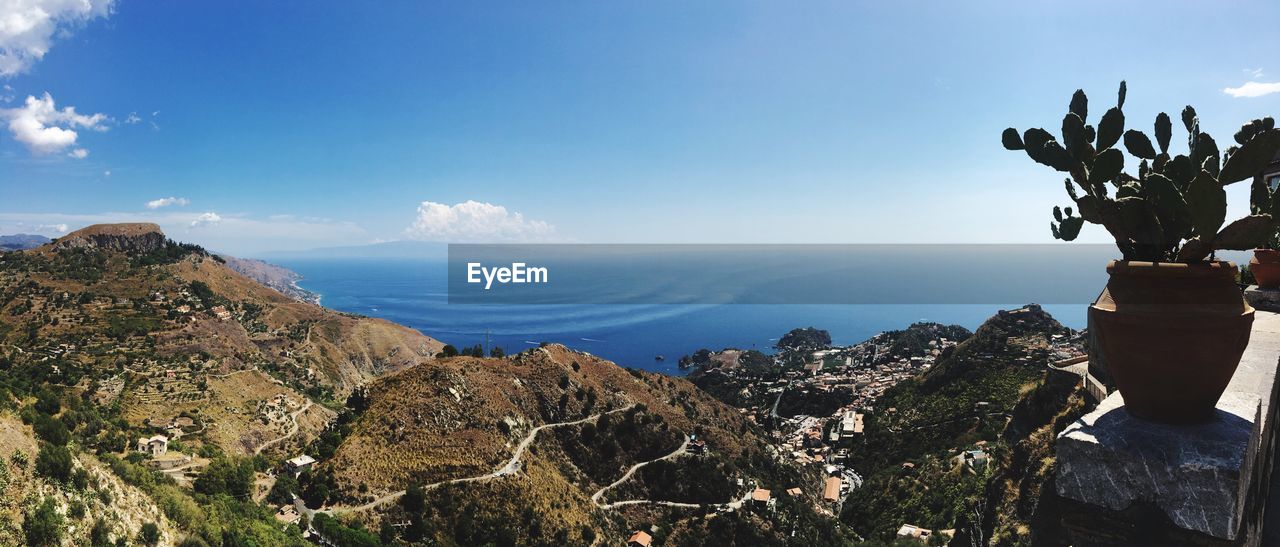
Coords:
414,292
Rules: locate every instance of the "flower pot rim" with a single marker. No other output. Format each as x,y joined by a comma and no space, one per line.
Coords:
1138,268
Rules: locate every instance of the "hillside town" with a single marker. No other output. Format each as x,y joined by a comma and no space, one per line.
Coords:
815,398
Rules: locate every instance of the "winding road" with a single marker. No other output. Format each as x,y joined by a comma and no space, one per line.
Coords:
509,468
679,451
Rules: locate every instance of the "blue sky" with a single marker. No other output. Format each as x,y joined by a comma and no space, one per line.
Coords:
291,125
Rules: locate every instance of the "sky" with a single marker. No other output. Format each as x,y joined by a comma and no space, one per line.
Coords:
253,127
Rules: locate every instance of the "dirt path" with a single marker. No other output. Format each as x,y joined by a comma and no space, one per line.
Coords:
293,418
679,451
731,505
510,467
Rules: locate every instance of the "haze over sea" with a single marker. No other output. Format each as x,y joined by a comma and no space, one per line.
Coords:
413,292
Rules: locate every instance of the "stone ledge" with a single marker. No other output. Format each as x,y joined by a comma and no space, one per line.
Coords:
1204,478
1263,299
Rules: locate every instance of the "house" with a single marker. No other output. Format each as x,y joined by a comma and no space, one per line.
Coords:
640,539
831,490
156,446
794,492
851,424
182,421
913,532
696,445
299,464
221,312
288,514
760,498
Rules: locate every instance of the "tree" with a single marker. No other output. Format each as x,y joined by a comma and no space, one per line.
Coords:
51,430
43,525
284,488
54,462
100,535
415,499
226,476
496,352
448,351
149,535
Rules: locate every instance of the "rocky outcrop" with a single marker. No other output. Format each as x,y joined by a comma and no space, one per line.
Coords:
138,237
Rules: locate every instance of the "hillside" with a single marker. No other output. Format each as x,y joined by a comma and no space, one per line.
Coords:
452,428
965,402
279,278
128,317
148,391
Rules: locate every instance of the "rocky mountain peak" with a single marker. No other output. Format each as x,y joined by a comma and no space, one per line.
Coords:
133,237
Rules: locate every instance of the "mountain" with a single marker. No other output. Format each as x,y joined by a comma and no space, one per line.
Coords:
18,242
115,334
987,395
277,277
162,328
153,375
426,250
606,455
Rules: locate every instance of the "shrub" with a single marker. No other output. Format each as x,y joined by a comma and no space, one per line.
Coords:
43,525
54,462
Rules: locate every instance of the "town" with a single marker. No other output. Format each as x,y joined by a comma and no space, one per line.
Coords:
814,398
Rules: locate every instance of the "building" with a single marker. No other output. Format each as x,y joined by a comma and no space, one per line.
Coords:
221,312
288,514
761,498
831,490
299,464
975,459
640,539
794,492
851,424
156,446
696,445
915,533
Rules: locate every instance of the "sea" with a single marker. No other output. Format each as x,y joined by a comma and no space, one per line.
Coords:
414,292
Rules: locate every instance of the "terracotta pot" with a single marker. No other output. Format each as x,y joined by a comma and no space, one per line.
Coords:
1171,336
1265,267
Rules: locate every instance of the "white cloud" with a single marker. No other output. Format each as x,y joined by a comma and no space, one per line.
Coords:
1254,73
1253,89
164,202
106,173
43,129
60,228
28,28
206,219
132,118
79,153
474,221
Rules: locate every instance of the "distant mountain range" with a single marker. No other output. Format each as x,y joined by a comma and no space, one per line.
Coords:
390,249
19,242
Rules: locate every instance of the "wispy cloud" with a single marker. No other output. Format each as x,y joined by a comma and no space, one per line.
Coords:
29,27
474,221
1253,89
206,219
164,202
44,129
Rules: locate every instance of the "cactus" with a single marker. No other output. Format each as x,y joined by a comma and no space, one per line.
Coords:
1175,208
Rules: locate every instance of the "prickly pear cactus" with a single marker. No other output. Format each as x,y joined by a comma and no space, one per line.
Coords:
1175,208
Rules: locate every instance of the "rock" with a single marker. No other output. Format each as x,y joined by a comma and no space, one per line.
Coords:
1201,476
139,237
